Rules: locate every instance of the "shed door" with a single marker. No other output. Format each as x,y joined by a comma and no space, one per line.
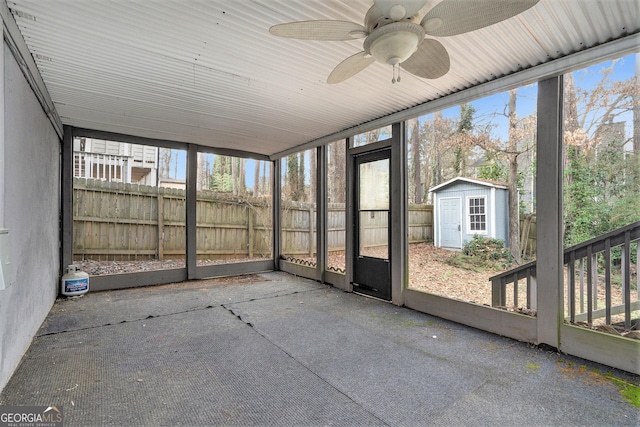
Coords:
450,224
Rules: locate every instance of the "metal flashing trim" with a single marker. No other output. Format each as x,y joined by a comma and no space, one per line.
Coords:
133,280
298,270
234,269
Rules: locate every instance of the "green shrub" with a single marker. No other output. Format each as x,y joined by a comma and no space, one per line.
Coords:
487,249
482,254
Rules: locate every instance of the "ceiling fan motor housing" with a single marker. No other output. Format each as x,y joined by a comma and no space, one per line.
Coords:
395,42
375,19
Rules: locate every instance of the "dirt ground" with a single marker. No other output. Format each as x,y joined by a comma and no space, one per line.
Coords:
99,268
430,270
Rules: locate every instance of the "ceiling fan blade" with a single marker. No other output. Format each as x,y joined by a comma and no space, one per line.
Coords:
320,30
453,17
430,61
350,67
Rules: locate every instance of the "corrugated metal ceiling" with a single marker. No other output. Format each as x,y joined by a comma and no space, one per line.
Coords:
209,72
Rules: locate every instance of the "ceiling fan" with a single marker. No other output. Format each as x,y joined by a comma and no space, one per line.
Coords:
394,33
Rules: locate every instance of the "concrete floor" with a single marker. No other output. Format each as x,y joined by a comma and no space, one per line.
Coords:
274,349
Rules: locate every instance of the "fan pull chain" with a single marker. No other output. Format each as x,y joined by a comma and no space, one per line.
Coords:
396,74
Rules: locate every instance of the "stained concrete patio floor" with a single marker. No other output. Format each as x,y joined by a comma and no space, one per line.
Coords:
274,349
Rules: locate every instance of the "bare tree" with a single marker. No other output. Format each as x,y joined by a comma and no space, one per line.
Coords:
242,177
313,174
336,185
636,108
512,154
416,173
256,179
234,177
165,162
521,139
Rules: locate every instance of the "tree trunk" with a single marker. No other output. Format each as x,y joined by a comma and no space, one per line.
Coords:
256,179
636,109
200,171
293,177
242,177
414,125
512,156
436,140
234,177
336,185
313,175
300,190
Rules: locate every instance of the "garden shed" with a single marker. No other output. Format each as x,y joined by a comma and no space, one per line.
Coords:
465,207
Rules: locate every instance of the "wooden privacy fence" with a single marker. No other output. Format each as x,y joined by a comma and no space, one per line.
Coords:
117,221
298,224
528,233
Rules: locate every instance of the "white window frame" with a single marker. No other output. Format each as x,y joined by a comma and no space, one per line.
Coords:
468,216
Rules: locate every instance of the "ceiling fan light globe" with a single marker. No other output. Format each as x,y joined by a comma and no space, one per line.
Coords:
394,61
397,46
396,40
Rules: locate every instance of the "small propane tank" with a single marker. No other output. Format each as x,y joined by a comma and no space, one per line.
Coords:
75,282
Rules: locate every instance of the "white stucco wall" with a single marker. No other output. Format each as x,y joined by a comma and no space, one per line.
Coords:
31,213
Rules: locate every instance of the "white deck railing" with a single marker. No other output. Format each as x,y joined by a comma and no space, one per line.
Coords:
591,268
107,167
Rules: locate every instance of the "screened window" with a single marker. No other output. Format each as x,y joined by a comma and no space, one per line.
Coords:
477,215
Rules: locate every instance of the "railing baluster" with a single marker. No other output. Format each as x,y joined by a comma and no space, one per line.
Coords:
607,280
589,285
598,252
88,166
638,270
626,279
571,289
529,288
581,296
594,295
533,288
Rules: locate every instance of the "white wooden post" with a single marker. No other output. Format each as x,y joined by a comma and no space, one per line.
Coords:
549,219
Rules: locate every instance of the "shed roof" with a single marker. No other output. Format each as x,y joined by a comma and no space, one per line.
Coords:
478,181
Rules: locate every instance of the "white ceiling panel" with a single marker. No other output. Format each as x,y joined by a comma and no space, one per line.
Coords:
209,72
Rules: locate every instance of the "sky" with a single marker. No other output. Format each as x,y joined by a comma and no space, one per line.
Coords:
624,68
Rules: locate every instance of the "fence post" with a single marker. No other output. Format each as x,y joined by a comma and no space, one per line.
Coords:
160,225
250,231
311,217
